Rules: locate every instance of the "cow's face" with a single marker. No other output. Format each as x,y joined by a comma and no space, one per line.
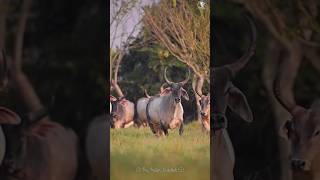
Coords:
304,132
205,106
178,91
118,115
17,140
16,148
225,94
177,88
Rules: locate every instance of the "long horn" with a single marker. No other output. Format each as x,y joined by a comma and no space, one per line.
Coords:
165,76
182,83
240,63
289,106
146,94
197,92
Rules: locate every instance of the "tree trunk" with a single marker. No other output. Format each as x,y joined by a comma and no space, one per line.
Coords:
197,85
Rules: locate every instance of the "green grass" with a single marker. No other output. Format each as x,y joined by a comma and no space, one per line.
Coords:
136,154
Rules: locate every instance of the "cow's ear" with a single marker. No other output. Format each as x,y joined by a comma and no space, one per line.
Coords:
166,91
184,94
112,98
238,103
8,117
286,129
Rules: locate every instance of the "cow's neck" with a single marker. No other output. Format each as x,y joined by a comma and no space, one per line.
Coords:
169,105
316,167
223,155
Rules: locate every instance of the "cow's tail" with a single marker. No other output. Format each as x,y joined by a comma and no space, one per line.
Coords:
147,111
135,116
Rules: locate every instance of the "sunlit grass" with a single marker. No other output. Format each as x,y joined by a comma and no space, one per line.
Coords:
136,154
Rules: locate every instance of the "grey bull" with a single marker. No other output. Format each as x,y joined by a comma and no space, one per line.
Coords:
225,94
141,107
165,111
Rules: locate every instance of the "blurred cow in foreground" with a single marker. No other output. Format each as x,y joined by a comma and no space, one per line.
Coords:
97,147
6,115
225,94
165,111
303,130
38,148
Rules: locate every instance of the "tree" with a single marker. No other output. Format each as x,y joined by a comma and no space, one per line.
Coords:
120,15
185,32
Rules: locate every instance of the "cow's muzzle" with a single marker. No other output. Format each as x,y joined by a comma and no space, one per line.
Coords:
177,100
203,114
299,165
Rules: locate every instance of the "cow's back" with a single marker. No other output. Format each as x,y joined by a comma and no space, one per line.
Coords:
154,109
51,153
141,108
96,147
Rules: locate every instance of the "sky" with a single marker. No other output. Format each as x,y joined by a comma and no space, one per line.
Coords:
119,34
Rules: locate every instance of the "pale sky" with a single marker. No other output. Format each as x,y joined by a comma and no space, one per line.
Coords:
134,16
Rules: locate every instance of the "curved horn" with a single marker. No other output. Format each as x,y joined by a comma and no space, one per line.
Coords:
165,76
289,106
240,63
146,94
197,92
182,83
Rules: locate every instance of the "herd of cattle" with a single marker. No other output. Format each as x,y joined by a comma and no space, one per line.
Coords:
160,112
164,111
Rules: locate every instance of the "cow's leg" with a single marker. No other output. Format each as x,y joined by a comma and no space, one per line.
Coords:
164,129
128,124
181,129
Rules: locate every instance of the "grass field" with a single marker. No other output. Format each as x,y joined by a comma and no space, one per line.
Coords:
136,154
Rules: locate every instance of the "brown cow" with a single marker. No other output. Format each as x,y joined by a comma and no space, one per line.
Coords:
225,94
205,110
122,113
303,130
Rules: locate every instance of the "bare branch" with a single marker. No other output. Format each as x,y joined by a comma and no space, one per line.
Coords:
183,31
